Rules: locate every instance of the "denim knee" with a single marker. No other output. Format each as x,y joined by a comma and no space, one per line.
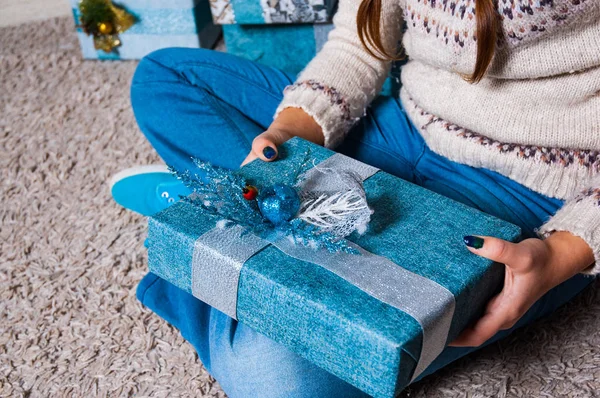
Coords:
155,66
249,364
163,67
151,88
153,69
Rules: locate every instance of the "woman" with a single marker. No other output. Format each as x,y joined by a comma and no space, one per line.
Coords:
499,109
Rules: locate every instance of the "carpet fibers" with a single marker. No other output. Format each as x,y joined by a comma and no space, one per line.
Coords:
70,258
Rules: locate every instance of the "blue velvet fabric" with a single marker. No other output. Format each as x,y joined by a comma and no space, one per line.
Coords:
210,105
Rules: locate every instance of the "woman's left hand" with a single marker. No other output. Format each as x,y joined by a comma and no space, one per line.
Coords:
533,267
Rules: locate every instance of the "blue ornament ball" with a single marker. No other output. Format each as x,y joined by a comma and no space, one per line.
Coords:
279,203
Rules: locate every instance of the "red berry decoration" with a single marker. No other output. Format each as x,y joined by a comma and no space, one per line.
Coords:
250,192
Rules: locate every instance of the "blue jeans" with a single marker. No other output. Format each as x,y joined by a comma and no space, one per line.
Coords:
211,105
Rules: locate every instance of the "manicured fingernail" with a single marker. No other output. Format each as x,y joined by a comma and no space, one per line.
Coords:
473,241
269,152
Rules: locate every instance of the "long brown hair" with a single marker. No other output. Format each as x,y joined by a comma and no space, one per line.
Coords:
368,22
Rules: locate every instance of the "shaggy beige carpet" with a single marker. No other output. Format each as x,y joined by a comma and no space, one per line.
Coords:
70,325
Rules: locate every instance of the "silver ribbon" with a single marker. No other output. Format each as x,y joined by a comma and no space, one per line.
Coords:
218,258
316,181
220,254
429,303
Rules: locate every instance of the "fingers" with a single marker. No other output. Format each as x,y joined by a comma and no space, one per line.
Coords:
497,317
523,285
493,248
251,156
478,334
264,147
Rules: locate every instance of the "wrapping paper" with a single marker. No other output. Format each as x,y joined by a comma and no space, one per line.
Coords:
320,315
258,12
159,24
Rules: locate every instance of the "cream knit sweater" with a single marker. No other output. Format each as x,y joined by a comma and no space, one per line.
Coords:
535,117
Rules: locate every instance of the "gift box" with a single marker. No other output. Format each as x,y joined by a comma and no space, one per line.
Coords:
288,47
258,12
157,24
376,317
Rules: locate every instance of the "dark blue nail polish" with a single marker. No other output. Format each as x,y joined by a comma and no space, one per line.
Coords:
269,152
473,241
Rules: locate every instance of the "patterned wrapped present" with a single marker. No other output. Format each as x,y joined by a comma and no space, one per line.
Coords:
156,24
288,47
375,317
258,12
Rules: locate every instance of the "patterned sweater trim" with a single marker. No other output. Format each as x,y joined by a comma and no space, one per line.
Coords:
452,21
592,193
555,172
560,156
335,98
581,217
324,104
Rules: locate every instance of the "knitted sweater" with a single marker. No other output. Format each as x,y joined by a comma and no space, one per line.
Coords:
535,117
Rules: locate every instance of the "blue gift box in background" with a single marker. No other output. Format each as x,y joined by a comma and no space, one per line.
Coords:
288,47
349,330
159,24
272,11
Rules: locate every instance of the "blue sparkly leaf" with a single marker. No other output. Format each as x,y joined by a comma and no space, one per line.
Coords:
299,173
219,192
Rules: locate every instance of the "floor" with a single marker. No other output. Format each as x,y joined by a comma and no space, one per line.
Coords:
15,12
70,258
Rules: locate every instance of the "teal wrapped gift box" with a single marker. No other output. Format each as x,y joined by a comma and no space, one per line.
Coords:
375,319
258,12
159,24
288,47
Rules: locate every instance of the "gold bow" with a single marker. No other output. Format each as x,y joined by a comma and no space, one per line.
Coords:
103,20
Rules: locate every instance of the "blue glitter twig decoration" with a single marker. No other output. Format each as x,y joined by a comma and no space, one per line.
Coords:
219,192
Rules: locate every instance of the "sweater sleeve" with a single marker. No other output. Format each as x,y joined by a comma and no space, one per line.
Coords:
580,216
338,84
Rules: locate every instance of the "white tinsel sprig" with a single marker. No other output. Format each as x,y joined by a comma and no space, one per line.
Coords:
341,212
328,210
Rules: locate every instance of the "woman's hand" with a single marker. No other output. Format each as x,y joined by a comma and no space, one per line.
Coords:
533,267
291,122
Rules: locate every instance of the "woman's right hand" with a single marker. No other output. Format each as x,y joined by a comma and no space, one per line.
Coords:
291,122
